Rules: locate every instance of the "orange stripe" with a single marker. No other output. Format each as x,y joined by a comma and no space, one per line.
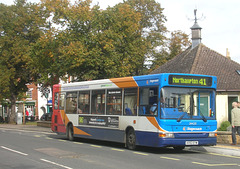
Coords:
155,123
75,129
124,82
80,132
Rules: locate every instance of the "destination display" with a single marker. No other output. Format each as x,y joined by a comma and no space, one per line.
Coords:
100,121
190,80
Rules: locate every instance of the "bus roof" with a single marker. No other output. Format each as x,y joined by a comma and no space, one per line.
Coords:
134,81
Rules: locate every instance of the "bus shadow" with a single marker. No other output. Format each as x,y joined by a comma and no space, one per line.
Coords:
141,149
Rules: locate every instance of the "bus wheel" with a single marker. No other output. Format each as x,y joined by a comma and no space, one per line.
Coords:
70,133
131,139
179,148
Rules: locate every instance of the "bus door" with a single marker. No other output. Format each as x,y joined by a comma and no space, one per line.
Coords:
58,118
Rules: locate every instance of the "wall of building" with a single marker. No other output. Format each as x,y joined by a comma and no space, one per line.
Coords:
222,101
42,103
221,108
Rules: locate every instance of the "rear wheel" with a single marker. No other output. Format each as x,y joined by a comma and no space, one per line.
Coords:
131,139
70,133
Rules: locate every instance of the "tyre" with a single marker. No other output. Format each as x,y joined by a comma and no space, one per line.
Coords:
131,139
70,133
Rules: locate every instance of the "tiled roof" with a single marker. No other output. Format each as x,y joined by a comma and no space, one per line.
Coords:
202,60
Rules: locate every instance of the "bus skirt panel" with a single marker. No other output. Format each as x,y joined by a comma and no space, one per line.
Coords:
152,139
114,135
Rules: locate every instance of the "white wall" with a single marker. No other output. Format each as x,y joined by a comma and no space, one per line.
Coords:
42,102
221,108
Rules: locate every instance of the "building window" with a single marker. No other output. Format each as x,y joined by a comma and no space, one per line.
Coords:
29,93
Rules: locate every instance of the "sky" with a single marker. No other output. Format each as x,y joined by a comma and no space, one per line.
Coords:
219,20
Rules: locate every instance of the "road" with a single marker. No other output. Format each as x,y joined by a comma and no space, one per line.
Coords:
41,150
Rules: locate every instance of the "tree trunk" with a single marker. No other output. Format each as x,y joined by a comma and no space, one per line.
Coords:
12,115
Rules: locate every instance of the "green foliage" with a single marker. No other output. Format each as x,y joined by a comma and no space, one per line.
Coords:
176,44
224,125
15,61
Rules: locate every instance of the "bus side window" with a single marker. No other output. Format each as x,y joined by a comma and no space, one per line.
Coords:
98,102
130,101
114,102
84,102
148,101
71,103
56,101
61,101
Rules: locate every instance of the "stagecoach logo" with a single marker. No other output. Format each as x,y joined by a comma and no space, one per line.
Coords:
192,129
153,81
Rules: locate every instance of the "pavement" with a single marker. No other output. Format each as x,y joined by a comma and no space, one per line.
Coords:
220,149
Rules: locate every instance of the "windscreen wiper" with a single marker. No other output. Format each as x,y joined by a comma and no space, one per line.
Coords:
203,117
180,118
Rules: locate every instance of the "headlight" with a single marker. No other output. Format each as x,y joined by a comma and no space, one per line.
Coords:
166,135
212,135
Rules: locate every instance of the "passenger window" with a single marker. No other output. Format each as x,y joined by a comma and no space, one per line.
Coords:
98,102
84,102
71,103
114,102
56,101
130,101
148,101
61,101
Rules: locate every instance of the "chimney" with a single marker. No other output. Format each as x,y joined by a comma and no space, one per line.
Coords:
228,54
196,32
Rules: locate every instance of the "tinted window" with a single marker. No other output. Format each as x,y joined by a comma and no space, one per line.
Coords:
148,101
84,102
114,102
130,101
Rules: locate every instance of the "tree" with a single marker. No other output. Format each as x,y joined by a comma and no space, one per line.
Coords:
176,44
152,28
93,43
15,60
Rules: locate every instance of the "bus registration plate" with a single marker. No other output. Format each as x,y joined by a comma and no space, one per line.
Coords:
189,143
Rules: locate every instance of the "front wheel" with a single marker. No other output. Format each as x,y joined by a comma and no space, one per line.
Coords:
131,139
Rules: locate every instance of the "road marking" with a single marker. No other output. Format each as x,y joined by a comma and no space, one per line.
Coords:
77,143
96,146
38,136
141,153
214,165
169,158
60,165
63,140
14,151
49,138
216,154
223,155
115,149
29,131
